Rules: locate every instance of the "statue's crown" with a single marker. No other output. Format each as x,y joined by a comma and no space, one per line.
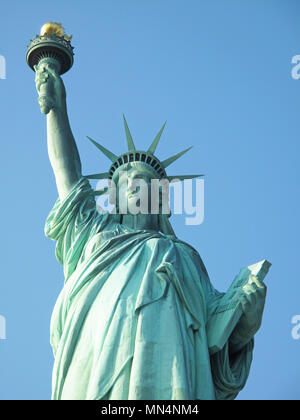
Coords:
145,157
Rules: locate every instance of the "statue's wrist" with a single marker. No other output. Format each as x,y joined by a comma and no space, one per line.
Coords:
239,339
60,111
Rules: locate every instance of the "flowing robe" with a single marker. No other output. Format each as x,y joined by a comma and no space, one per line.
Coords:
131,319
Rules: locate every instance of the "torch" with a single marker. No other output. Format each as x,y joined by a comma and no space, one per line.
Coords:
53,48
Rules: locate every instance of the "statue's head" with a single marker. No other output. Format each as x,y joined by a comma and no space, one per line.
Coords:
137,179
136,188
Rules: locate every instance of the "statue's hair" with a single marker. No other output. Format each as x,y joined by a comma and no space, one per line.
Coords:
140,166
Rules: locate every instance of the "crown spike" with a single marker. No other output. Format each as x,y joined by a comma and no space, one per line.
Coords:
174,178
171,159
154,144
107,153
103,175
131,146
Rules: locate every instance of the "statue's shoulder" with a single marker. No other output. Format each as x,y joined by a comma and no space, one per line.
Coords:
184,247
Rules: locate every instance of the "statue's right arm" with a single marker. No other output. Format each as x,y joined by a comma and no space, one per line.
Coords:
62,149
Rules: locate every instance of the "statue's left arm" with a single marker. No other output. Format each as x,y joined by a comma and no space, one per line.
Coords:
231,343
252,301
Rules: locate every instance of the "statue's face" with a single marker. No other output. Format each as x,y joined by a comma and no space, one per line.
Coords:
134,188
135,192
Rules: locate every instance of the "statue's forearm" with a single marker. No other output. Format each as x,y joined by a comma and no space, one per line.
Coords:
240,337
63,152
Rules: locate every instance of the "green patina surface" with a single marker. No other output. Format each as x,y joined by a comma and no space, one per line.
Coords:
137,317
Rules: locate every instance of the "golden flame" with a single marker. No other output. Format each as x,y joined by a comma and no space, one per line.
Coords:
54,28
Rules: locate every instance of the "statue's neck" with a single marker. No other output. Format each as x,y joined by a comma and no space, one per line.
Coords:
141,221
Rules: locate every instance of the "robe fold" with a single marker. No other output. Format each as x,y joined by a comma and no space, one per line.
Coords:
131,319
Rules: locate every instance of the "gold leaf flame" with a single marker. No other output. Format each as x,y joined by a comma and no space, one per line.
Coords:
54,28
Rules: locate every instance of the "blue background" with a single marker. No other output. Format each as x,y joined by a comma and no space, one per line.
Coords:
219,72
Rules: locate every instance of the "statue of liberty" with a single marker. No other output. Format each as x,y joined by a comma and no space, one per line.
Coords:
137,317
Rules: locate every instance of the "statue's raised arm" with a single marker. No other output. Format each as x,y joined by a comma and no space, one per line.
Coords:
50,54
62,149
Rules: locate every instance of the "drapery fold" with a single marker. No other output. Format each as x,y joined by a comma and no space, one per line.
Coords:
131,319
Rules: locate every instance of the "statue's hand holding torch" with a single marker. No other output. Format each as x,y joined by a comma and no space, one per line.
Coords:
50,87
50,55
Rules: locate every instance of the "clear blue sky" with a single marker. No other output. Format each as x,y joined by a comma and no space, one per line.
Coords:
219,72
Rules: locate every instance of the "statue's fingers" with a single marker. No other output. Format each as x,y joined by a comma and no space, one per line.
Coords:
37,75
38,82
248,289
254,287
260,289
258,292
41,73
245,298
43,77
252,298
57,79
250,294
52,71
254,280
